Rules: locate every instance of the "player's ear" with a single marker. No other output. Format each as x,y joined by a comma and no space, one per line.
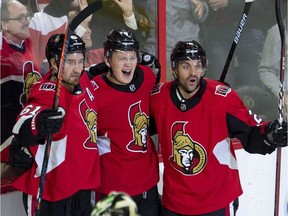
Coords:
54,65
4,26
203,74
107,62
174,72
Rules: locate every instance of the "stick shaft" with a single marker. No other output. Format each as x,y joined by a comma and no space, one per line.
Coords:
70,29
282,60
43,175
236,39
49,139
280,102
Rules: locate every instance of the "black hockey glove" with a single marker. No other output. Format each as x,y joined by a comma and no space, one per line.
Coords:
97,69
276,135
49,121
152,62
20,156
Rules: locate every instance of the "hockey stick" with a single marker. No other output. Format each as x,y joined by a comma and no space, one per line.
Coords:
90,9
237,36
280,101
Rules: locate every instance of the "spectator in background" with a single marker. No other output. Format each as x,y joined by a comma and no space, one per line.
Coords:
217,34
96,55
113,14
249,55
269,67
262,17
93,56
23,44
181,16
146,16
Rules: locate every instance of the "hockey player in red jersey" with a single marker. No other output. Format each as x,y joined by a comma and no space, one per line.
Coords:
73,168
195,119
129,161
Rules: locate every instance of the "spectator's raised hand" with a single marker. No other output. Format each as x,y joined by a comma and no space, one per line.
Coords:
199,8
82,5
218,4
144,23
126,6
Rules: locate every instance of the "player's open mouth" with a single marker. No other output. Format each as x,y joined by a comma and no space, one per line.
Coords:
126,72
192,80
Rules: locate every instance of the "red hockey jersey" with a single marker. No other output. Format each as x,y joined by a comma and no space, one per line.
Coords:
74,158
128,158
200,168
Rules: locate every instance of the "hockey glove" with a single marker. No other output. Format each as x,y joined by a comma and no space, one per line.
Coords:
49,121
276,135
20,156
152,62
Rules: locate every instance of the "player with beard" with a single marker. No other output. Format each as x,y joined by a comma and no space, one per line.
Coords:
73,167
128,157
195,119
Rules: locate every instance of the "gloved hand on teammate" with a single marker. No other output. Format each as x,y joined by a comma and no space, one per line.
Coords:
49,121
152,62
148,60
275,135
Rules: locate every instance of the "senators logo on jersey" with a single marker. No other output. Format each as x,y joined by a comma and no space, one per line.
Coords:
89,116
139,124
189,157
30,77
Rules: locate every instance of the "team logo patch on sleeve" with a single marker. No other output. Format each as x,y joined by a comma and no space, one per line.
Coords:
222,90
156,88
31,76
48,86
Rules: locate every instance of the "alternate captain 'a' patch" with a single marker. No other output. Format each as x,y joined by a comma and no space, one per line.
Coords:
222,90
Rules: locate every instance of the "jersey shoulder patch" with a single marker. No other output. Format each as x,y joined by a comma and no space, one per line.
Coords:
222,90
157,88
48,86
